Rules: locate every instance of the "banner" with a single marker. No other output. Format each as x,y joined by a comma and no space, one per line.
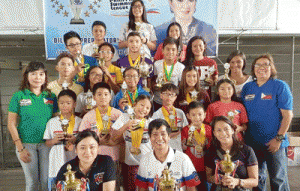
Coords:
60,16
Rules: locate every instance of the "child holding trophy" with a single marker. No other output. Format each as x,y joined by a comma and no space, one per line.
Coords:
130,89
196,56
190,89
174,116
133,126
135,57
228,106
65,67
230,164
113,75
196,139
82,63
169,69
165,168
59,134
85,101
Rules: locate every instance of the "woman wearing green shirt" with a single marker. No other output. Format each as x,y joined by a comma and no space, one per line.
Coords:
35,105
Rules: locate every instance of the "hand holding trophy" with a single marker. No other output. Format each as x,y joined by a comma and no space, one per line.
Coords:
80,66
189,141
167,182
145,70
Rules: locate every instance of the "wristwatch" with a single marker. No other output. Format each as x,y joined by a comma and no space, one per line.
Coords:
279,137
241,183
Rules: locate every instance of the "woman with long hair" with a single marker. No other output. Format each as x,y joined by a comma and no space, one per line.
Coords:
138,22
35,105
245,173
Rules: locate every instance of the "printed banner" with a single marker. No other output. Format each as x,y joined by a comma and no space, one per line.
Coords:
196,18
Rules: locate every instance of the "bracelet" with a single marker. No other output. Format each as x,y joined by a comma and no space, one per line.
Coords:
21,150
16,140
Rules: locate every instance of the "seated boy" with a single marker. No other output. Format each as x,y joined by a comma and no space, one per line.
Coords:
163,159
174,116
82,62
65,67
196,139
61,139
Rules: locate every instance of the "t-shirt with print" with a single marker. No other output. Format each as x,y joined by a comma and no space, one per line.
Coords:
89,121
181,122
203,66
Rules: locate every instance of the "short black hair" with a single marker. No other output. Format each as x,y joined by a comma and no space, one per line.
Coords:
84,134
69,93
170,87
194,105
64,55
69,35
101,85
109,45
131,68
95,23
143,97
134,34
170,40
156,124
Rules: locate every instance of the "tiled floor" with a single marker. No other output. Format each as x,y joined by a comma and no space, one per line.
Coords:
13,179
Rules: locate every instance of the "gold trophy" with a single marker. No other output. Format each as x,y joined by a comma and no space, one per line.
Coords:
135,150
189,141
173,125
160,81
226,76
194,95
71,183
89,100
65,85
101,60
227,166
78,60
105,122
65,126
166,182
211,71
145,70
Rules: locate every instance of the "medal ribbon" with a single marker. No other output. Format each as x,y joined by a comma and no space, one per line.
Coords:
166,115
71,123
188,98
136,62
99,119
137,135
81,73
131,98
168,74
200,137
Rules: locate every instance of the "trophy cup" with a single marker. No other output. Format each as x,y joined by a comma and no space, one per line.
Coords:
211,71
189,141
65,85
166,182
78,60
76,8
227,167
160,81
226,76
65,126
101,60
89,100
131,114
105,122
173,124
145,70
194,95
71,183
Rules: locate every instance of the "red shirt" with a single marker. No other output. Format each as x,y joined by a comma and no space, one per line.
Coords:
196,157
203,65
159,54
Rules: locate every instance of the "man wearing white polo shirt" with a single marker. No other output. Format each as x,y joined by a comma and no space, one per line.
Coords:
153,163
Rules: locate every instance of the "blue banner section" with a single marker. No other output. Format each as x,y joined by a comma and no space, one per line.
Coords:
62,16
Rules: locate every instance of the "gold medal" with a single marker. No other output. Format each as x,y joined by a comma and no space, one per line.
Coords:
80,79
199,148
135,151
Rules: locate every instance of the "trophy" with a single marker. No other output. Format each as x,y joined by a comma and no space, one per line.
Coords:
226,76
166,182
65,126
145,70
71,183
131,114
76,8
105,122
89,100
211,71
227,167
78,60
189,141
65,85
231,114
160,81
173,124
194,95
101,60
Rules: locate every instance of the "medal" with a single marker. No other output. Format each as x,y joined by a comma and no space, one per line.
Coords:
199,148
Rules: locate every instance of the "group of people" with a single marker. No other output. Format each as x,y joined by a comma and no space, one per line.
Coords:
116,129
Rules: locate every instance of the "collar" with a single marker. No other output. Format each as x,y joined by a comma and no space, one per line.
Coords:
76,164
28,92
170,157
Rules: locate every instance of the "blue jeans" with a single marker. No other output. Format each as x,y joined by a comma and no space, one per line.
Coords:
277,167
37,169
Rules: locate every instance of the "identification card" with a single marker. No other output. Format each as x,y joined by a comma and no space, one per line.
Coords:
25,102
249,97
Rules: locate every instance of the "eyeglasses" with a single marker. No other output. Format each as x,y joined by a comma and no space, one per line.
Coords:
137,6
265,65
74,45
105,52
96,75
169,94
131,77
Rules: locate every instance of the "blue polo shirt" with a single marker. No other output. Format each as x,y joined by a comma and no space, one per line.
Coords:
119,95
263,106
88,62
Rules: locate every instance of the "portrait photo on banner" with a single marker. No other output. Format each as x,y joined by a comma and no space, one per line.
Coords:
196,17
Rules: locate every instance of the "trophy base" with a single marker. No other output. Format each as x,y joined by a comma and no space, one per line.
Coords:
77,22
135,151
